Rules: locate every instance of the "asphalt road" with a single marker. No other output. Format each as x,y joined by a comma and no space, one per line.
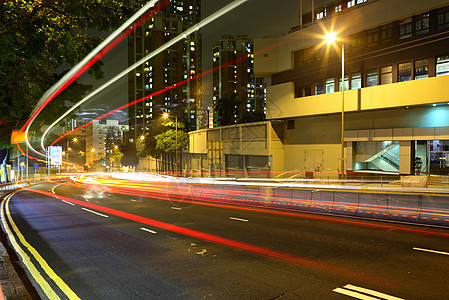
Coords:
105,245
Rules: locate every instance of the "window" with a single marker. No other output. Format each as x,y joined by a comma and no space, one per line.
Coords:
386,33
443,18
350,3
338,8
309,55
405,28
372,37
360,1
290,124
301,90
371,77
405,72
386,75
356,81
330,85
422,24
299,57
320,15
421,69
442,67
346,83
319,89
355,42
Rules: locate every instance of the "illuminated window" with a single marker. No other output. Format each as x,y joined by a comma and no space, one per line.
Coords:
346,83
442,65
330,85
350,3
371,77
421,69
422,24
319,89
405,72
338,8
356,81
386,75
405,28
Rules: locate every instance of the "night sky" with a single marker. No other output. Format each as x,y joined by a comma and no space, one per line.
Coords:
255,18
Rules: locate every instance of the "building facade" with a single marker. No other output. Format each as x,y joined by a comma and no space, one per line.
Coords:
233,76
101,137
179,62
396,108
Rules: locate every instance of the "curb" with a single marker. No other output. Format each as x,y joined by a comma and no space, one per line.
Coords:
11,284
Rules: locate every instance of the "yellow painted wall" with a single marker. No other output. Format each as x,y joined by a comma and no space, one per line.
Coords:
282,104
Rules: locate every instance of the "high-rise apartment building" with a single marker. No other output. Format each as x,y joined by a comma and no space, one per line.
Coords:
179,62
233,76
101,137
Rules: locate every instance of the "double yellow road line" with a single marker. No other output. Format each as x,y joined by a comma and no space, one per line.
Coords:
13,232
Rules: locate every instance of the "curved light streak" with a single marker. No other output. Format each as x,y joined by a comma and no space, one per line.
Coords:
81,67
191,30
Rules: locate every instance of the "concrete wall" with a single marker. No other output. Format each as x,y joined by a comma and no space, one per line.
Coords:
259,138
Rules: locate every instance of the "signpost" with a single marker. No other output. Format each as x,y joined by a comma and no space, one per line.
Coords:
54,157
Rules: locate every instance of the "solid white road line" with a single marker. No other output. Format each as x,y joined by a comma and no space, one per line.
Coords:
177,208
353,294
148,230
94,212
432,251
371,292
238,219
68,202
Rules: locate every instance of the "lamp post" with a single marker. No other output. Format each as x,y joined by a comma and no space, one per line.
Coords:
330,38
176,138
68,149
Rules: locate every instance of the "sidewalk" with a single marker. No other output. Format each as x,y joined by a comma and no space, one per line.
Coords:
11,285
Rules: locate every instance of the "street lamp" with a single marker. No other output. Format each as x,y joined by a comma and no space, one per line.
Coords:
166,115
68,149
331,38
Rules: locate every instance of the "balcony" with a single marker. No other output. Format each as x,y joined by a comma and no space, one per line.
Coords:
281,103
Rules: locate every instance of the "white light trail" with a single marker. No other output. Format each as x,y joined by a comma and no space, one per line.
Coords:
186,33
89,57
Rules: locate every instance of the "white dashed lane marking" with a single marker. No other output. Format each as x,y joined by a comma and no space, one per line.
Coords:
238,219
148,230
94,212
431,251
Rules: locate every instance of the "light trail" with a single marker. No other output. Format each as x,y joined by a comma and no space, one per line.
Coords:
173,41
266,252
208,197
108,44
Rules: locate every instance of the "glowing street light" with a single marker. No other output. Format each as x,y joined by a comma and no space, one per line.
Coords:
331,38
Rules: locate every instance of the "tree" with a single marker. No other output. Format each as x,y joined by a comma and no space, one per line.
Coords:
116,157
129,157
167,141
150,143
226,109
40,36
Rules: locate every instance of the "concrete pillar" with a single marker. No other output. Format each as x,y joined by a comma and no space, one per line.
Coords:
405,158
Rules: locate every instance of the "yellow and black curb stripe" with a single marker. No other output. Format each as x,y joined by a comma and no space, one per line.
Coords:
28,254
